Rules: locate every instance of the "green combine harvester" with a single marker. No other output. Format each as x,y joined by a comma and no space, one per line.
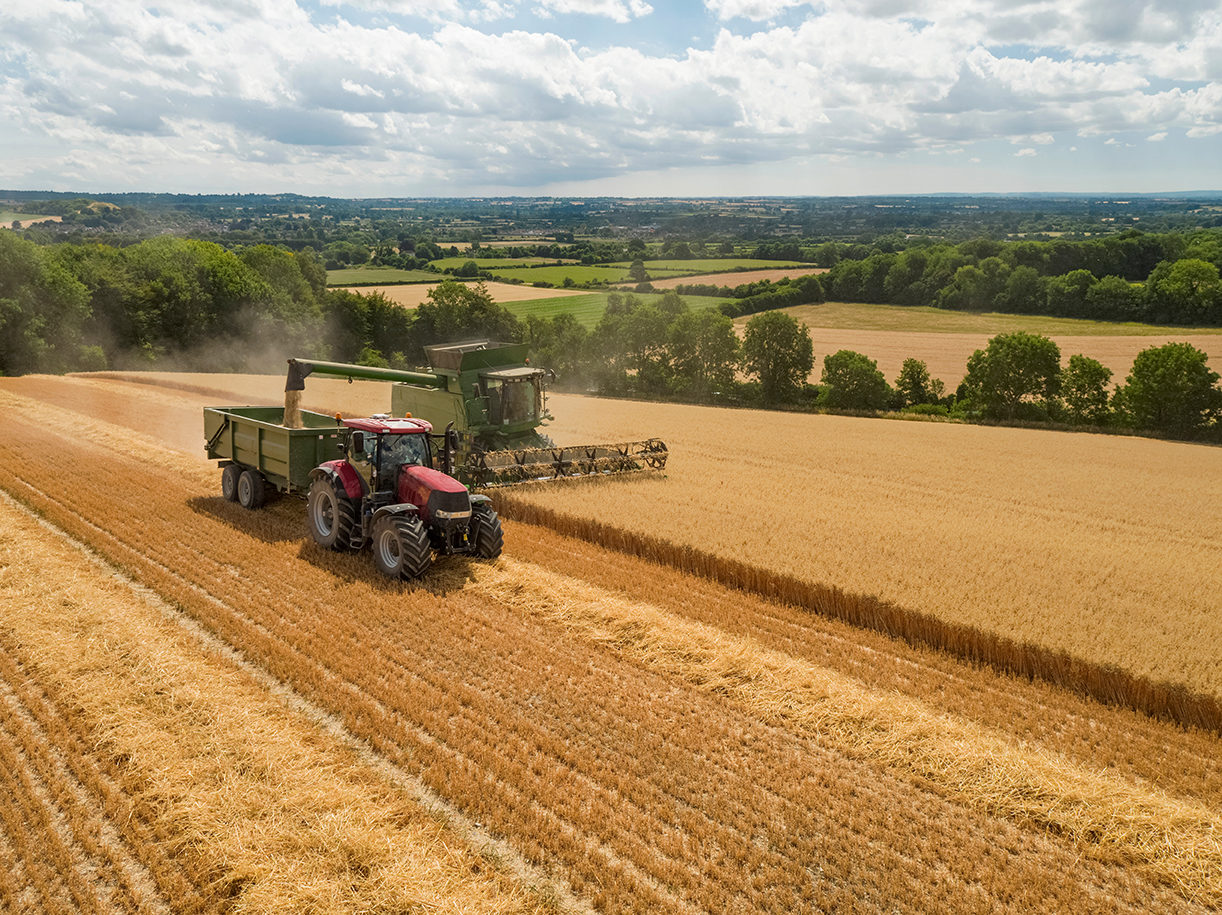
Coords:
491,403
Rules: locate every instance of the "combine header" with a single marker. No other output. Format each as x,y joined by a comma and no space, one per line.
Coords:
491,402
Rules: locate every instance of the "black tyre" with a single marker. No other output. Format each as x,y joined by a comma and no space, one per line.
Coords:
331,516
401,546
229,482
486,533
252,491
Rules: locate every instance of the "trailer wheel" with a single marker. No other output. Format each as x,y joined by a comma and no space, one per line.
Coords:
229,482
486,533
252,491
331,516
401,546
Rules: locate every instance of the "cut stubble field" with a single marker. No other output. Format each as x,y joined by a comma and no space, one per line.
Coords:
656,740
410,296
944,340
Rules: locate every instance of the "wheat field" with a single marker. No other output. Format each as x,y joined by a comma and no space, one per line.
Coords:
1106,547
944,340
654,740
143,773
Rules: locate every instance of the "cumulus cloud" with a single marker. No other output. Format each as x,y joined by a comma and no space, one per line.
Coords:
477,11
617,10
751,9
429,98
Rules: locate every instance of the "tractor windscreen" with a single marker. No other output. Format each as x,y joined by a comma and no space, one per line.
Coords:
397,450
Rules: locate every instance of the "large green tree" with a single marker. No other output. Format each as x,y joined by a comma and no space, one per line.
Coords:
1171,389
1084,391
914,386
852,381
1187,291
43,309
559,344
1016,371
705,352
456,311
778,351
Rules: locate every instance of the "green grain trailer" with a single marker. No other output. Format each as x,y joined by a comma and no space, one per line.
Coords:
256,439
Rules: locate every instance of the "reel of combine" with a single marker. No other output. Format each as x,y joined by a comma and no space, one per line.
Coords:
511,467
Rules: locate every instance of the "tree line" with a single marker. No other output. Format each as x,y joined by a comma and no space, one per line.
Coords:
176,303
1163,279
664,349
192,305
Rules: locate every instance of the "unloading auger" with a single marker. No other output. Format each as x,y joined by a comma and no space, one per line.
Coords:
491,403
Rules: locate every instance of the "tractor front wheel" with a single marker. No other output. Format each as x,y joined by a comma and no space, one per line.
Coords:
252,490
331,516
401,546
486,533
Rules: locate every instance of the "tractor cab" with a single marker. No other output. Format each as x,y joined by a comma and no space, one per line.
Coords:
379,446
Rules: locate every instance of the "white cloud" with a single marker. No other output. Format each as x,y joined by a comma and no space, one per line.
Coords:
617,10
1024,153
443,106
751,9
479,11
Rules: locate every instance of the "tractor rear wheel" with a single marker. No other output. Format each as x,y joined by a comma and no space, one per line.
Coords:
486,533
252,491
331,516
401,546
229,482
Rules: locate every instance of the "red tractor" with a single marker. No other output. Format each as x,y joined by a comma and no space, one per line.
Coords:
367,481
385,492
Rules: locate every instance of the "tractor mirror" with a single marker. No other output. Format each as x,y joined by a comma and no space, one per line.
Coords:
452,439
358,441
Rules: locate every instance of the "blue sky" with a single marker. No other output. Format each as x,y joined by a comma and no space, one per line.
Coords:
626,97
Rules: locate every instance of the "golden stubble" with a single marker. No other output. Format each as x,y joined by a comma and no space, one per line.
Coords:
1174,841
276,815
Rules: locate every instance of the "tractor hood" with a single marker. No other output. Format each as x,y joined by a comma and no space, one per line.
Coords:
437,496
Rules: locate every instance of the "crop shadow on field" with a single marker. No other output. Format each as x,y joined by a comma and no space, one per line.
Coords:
447,575
281,520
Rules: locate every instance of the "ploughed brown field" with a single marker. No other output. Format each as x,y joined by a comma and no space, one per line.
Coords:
412,294
652,740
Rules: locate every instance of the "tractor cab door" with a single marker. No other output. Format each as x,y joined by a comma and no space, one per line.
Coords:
362,451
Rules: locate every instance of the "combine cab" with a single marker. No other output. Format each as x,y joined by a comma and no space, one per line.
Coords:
491,402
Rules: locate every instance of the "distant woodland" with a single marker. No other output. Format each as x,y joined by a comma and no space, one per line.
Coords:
158,283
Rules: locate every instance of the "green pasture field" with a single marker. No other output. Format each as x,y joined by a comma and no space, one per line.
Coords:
379,276
589,308
923,319
556,275
489,263
714,265
7,217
